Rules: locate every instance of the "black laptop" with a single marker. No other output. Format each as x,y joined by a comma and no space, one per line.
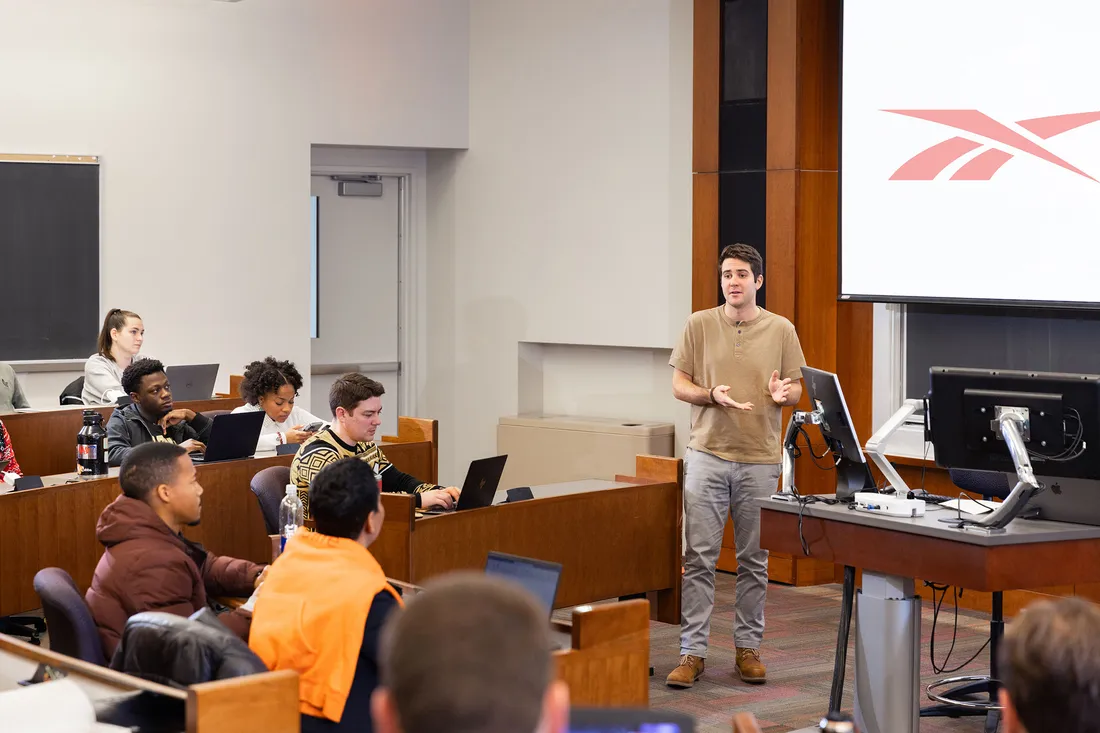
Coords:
232,436
628,720
191,382
538,577
482,480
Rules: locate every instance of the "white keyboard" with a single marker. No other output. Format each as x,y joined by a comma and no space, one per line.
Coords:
894,506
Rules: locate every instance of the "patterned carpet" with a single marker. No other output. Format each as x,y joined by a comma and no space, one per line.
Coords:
799,647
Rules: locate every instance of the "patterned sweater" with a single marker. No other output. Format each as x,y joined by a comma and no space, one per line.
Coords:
326,447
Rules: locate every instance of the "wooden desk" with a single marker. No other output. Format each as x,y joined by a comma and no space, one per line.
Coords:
45,440
261,703
612,539
608,662
894,550
55,526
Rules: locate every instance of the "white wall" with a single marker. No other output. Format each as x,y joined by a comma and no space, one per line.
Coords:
203,114
568,220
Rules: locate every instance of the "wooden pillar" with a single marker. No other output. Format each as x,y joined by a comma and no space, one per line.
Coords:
801,219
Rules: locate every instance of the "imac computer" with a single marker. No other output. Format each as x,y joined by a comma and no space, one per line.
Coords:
1024,423
830,414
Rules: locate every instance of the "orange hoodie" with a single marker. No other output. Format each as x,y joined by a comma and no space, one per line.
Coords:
310,615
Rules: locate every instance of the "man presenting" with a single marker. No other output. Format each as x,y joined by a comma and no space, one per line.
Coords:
737,365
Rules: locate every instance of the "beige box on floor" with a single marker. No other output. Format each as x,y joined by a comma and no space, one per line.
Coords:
544,449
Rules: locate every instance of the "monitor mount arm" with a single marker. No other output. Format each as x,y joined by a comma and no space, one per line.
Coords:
798,419
876,446
1011,421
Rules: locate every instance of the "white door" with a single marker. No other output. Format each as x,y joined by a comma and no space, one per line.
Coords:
358,243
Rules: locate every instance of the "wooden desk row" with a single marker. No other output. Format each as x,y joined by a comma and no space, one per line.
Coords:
55,526
45,440
612,636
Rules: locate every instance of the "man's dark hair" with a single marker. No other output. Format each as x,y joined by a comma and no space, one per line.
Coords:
138,370
745,253
498,692
266,377
341,497
148,466
351,389
1051,666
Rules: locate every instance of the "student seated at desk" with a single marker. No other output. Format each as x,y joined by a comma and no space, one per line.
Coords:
11,394
148,564
320,611
356,403
151,417
117,347
272,386
9,467
471,654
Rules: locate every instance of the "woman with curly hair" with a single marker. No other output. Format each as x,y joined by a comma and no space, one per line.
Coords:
272,386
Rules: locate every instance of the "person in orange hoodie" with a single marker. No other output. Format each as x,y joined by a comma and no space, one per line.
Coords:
321,609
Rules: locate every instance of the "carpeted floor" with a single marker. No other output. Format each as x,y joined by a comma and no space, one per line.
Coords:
799,648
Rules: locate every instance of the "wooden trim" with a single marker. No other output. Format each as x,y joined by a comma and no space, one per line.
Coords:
783,76
704,241
259,703
707,85
780,268
33,158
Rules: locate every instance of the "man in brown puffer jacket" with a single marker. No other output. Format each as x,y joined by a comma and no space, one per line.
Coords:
149,565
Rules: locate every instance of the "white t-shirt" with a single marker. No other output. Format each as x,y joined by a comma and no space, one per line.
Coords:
273,433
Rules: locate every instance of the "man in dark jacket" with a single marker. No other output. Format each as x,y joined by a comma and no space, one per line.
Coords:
148,564
151,417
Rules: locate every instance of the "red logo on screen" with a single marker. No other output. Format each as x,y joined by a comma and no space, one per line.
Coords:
1001,145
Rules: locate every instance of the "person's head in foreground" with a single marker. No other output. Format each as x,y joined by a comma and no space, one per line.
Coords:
344,501
486,668
1050,669
163,476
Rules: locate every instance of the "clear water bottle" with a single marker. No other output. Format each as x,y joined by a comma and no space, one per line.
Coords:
291,514
91,446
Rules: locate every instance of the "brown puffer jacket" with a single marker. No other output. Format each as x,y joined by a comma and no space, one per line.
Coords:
148,568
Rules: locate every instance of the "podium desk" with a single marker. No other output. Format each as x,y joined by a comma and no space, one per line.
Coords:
892,551
612,538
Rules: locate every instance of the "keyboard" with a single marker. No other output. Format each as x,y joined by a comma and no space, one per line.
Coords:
933,498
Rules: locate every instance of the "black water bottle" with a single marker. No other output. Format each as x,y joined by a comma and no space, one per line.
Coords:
91,446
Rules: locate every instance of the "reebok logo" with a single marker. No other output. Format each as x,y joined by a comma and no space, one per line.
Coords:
1001,143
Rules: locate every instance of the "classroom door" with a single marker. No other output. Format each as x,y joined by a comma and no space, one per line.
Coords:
358,286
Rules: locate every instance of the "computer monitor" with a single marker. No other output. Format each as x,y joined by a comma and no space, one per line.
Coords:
1027,423
1060,418
826,397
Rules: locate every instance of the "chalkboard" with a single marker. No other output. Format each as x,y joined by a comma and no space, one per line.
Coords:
49,260
998,338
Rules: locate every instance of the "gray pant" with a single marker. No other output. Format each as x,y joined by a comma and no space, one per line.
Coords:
713,489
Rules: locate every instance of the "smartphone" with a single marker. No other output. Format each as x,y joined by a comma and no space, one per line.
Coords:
313,427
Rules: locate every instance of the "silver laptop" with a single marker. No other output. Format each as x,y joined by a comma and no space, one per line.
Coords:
192,381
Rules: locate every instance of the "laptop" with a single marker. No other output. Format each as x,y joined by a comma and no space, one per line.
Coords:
480,486
192,381
538,577
628,720
232,436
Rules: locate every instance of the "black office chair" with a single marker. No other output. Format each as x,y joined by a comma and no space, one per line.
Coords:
71,395
976,694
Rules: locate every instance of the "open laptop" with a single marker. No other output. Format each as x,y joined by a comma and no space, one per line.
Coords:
628,720
232,436
192,381
538,577
482,480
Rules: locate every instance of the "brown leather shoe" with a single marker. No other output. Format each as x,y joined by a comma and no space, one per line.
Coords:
690,669
749,666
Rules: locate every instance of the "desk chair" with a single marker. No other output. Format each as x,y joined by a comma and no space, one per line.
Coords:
965,700
71,395
269,486
72,629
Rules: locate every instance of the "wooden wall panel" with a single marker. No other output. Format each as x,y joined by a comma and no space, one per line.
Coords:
818,84
707,84
779,270
704,241
782,88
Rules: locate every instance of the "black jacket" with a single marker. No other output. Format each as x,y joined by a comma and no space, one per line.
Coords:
128,428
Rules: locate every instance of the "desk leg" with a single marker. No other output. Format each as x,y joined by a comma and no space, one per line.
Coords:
887,663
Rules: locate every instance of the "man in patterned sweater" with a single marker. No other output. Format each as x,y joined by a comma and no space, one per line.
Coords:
356,403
